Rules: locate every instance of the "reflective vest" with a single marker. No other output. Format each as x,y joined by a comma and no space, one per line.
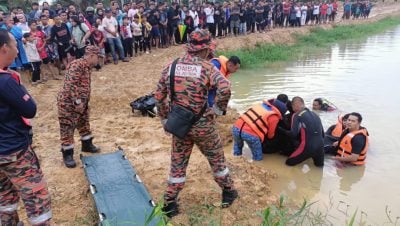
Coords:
345,147
16,77
337,131
223,61
257,118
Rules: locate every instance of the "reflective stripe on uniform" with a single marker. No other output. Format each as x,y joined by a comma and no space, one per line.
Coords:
67,147
41,218
86,137
9,208
222,173
176,180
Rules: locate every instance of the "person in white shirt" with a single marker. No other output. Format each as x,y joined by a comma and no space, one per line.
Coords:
304,10
126,34
133,11
137,34
33,57
195,16
298,15
23,24
316,13
110,27
209,11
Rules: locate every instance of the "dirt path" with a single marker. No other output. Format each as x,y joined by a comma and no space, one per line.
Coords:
144,142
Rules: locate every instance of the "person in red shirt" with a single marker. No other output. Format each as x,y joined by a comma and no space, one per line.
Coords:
324,9
99,41
286,12
334,11
40,37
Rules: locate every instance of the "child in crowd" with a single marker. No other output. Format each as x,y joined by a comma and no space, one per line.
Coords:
40,38
137,34
146,29
99,40
126,34
33,57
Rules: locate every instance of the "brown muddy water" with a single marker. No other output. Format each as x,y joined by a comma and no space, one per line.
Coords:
361,76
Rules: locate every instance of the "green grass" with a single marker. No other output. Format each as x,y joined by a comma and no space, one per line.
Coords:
263,54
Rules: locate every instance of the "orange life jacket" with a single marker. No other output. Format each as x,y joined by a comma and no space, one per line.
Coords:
223,60
257,118
337,131
345,147
16,77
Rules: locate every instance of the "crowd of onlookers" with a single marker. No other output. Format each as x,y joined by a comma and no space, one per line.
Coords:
50,37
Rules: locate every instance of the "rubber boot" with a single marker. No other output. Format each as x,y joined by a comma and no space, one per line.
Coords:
68,158
171,209
87,146
228,197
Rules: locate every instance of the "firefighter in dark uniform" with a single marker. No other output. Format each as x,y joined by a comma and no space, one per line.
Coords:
20,173
194,77
73,105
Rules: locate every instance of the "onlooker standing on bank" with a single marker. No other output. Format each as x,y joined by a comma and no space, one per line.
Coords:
110,26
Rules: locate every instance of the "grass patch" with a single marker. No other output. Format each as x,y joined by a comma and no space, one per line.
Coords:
318,39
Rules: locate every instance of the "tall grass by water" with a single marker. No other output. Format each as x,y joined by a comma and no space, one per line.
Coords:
319,38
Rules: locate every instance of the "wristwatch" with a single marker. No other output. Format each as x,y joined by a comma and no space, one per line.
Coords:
78,101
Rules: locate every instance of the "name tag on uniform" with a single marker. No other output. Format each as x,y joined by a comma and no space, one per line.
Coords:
187,70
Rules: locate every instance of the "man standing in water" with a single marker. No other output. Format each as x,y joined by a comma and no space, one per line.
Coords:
353,144
193,76
226,67
20,173
308,132
73,105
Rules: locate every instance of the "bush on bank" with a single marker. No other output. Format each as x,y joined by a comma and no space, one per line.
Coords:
318,38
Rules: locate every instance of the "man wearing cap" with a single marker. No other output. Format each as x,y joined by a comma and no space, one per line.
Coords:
255,125
90,17
73,105
194,76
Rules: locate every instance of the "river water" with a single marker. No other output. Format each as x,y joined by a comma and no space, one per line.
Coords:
359,76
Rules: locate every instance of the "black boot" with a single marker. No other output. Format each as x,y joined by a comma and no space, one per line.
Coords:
68,158
171,209
87,146
228,197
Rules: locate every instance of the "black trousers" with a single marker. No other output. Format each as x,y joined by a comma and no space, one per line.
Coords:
211,28
138,43
128,48
35,69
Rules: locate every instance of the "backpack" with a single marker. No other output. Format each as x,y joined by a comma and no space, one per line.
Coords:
145,104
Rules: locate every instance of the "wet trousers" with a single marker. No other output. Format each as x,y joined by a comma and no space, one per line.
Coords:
254,143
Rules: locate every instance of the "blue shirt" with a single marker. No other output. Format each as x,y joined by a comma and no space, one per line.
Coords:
15,102
213,92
